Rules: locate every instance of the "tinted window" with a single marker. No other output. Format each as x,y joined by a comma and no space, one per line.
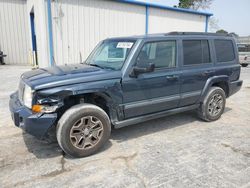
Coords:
224,50
162,54
192,52
196,52
205,52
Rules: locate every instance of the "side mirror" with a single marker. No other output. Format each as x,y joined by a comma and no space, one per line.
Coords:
139,70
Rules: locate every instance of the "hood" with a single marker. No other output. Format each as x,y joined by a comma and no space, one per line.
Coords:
66,75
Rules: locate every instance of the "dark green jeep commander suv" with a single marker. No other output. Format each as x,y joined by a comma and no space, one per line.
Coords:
126,81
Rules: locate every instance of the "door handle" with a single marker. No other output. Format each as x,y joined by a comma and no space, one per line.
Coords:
172,77
205,73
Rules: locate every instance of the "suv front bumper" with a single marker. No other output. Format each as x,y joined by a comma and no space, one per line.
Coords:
35,124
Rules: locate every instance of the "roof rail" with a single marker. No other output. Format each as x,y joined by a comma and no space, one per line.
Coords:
198,33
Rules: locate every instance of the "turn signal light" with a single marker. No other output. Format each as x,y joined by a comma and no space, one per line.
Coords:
37,108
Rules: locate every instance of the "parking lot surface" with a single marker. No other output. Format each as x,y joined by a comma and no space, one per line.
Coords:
175,151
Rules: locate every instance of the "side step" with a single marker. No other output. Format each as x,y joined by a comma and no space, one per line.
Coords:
140,119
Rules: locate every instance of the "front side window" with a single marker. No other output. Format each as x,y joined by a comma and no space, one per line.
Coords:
110,54
162,54
196,52
224,50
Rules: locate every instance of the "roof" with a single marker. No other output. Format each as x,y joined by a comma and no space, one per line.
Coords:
171,34
162,5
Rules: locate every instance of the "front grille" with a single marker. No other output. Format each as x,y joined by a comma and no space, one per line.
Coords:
21,91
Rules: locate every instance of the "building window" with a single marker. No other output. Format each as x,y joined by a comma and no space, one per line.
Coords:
224,50
162,54
196,52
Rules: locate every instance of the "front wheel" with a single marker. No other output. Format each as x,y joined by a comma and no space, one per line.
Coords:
213,105
83,130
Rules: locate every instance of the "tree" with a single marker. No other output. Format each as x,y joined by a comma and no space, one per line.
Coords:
213,24
222,31
200,4
186,3
195,4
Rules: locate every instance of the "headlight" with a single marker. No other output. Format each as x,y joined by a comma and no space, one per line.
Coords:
27,96
47,105
37,108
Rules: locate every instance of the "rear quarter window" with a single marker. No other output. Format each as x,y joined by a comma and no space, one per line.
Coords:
224,50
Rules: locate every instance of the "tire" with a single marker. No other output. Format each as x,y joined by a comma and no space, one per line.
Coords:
244,64
83,130
209,110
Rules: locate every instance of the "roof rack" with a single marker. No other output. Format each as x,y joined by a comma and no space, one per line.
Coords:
197,33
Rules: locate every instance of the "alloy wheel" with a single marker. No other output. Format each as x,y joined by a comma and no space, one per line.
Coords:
215,105
86,132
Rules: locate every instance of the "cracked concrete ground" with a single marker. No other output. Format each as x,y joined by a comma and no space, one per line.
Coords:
176,151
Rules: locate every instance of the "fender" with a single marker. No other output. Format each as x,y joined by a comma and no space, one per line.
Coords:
111,87
115,111
210,82
110,90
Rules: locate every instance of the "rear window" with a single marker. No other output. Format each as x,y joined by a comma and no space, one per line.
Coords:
196,52
224,50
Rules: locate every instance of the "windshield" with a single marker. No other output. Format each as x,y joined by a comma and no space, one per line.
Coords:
110,54
244,47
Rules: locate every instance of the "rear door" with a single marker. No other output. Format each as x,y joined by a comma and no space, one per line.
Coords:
226,58
197,67
153,91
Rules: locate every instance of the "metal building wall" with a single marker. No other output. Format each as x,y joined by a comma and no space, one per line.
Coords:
78,25
39,9
162,21
14,31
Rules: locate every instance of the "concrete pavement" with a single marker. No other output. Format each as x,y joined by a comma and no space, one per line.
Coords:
175,151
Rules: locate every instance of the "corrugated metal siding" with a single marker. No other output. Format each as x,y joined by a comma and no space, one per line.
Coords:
78,25
14,35
162,21
41,27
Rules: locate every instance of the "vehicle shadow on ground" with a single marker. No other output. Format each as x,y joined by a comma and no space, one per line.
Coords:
49,148
153,126
42,148
157,125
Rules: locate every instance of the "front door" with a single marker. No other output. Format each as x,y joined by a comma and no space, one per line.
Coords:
153,91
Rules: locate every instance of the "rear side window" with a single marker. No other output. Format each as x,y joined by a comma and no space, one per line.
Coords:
224,50
196,52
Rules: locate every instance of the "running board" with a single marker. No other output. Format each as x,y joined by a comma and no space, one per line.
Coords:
140,119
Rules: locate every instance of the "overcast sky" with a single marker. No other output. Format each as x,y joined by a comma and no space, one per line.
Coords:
232,15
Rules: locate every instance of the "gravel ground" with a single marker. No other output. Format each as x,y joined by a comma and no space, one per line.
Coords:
176,151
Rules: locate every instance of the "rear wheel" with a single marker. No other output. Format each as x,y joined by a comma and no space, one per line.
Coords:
83,130
213,105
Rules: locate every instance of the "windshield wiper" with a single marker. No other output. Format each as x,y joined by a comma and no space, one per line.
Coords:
102,67
95,65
